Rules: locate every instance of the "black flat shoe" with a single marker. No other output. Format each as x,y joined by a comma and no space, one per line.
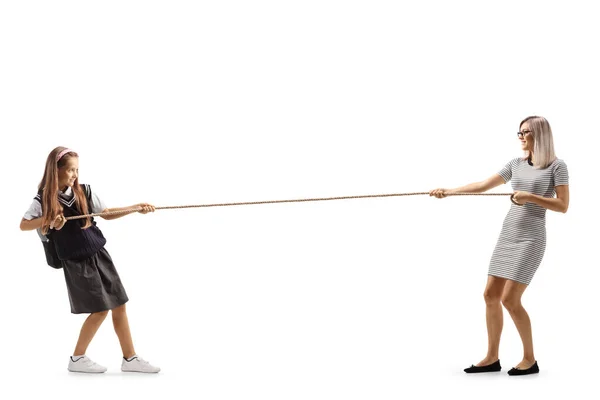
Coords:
495,367
534,369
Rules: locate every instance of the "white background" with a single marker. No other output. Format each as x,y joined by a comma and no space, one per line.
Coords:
188,102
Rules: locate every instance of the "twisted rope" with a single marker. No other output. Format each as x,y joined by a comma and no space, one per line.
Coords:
286,201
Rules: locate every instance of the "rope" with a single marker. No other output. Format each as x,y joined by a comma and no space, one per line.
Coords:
284,201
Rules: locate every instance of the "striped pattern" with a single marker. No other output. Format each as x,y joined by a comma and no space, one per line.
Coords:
66,199
522,242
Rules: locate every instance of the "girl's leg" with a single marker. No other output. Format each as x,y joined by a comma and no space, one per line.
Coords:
121,324
511,299
493,316
88,330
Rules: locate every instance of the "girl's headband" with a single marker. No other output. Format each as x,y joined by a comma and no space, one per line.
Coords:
62,153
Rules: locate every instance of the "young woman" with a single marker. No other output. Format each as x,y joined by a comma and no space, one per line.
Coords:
536,178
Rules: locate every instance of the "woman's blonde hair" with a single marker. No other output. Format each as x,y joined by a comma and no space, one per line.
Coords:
543,143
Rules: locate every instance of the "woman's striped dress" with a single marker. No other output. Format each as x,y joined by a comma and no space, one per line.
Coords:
522,241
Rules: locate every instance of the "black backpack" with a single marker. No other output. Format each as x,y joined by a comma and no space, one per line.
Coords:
51,255
49,248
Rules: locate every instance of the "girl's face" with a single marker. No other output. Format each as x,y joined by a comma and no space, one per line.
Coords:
68,173
526,139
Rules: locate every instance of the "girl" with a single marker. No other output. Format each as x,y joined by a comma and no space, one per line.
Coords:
536,177
93,283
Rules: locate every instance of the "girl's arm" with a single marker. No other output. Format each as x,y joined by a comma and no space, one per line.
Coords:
559,204
36,223
142,208
31,224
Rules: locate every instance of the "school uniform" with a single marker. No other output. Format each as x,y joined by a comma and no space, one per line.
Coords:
92,280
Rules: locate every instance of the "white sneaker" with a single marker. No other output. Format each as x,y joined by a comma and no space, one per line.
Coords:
138,364
84,364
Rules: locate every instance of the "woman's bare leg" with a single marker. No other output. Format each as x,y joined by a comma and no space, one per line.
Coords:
511,299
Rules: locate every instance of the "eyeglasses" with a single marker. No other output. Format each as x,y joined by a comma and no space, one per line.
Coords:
522,134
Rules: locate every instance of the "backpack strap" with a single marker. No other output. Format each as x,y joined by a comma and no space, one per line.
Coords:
38,198
88,195
88,191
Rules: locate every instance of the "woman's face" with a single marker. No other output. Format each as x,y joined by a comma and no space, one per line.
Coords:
68,173
526,138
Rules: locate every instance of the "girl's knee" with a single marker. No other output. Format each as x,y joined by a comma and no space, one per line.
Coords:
119,310
100,314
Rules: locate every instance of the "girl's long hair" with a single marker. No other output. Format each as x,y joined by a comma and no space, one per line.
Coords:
49,185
